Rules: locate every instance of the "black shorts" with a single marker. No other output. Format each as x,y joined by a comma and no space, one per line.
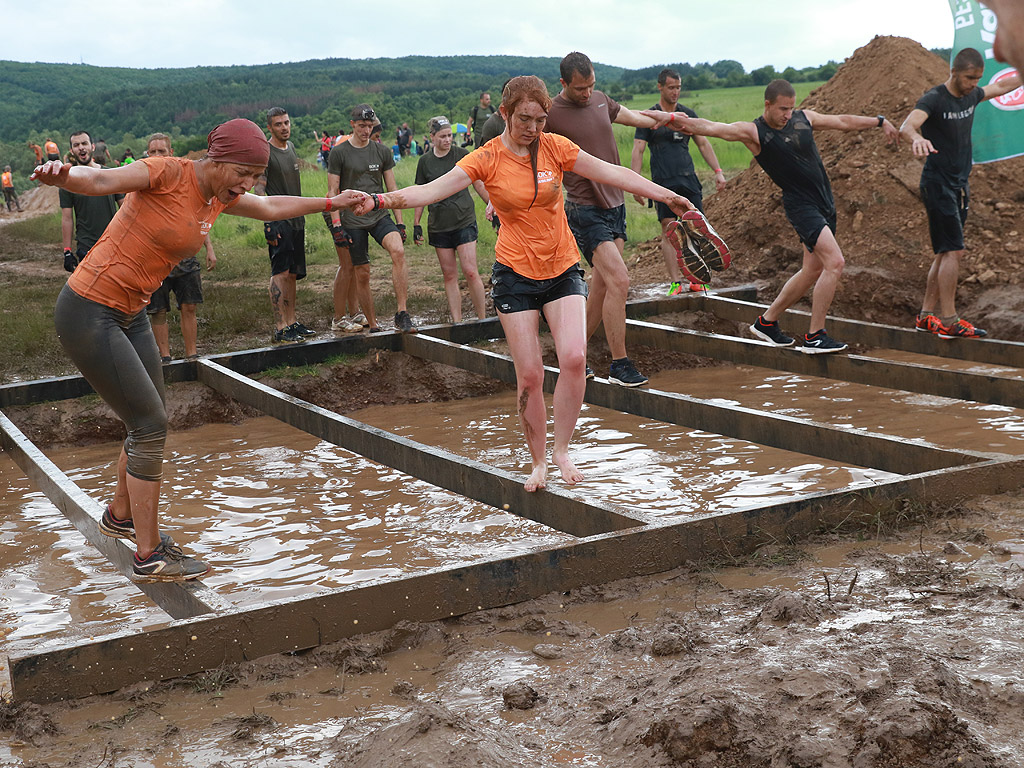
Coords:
693,193
809,221
51,156
592,226
514,293
453,238
360,250
287,246
187,287
947,214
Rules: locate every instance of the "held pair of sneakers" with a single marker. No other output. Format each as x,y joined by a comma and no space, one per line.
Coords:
817,343
961,329
699,248
168,562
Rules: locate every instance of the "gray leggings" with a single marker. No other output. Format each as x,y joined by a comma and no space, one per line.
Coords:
118,356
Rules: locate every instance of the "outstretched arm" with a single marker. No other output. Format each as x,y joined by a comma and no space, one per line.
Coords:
743,132
279,207
84,180
415,196
615,175
911,131
853,123
636,119
1003,86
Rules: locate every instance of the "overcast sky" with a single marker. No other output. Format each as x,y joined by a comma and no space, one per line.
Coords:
627,33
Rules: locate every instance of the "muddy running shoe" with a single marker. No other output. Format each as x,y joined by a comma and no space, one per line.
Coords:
288,336
589,374
302,330
165,360
771,333
625,374
404,323
928,324
706,241
361,319
167,563
699,287
961,329
820,343
691,263
123,529
674,289
345,325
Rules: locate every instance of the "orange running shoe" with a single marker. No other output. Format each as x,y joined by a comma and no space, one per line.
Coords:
928,324
961,329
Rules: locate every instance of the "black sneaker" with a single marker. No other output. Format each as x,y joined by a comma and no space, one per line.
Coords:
590,373
302,330
167,563
288,336
820,343
124,529
404,323
625,374
771,333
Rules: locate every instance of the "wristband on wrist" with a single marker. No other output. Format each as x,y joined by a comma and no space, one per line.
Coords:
718,170
329,205
67,250
881,119
376,201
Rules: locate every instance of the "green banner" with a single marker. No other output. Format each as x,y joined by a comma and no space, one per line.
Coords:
998,123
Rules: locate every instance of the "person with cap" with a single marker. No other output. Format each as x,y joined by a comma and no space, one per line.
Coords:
451,223
101,320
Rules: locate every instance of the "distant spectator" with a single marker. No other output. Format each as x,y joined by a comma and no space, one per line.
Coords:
52,150
38,151
185,280
101,155
10,196
326,142
128,157
84,216
478,116
404,140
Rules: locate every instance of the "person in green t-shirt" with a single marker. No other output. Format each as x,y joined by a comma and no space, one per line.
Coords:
451,223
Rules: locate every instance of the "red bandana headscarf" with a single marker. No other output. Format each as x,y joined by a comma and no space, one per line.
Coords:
238,141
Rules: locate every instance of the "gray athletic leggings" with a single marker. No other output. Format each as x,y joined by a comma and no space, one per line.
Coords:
118,356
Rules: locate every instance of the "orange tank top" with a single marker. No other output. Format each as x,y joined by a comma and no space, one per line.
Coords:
8,180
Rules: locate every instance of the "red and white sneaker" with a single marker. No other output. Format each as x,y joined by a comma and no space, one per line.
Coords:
961,329
691,263
928,324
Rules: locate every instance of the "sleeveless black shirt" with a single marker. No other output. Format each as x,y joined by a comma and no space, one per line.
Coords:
790,158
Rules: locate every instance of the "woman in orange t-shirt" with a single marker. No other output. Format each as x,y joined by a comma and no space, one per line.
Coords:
101,316
537,268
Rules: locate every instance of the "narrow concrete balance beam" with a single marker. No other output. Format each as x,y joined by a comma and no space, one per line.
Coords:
551,507
203,643
885,452
910,377
180,601
991,351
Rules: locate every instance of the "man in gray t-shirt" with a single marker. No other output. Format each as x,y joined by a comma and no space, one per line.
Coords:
367,166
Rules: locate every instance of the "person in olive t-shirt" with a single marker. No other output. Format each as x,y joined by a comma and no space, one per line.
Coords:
939,129
286,240
84,216
478,116
451,224
368,166
672,167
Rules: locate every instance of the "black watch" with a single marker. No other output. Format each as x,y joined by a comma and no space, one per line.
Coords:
881,119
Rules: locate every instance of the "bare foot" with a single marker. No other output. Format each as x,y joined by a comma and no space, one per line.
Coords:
570,474
538,478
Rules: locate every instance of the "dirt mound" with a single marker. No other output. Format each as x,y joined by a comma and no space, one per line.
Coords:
882,228
34,202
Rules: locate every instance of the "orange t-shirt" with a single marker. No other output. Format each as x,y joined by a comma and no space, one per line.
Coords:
342,139
155,229
8,181
52,148
534,241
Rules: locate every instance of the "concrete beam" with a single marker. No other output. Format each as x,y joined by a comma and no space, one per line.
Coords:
198,644
552,507
910,377
991,351
885,452
178,600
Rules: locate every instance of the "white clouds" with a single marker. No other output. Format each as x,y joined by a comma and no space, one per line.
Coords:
629,33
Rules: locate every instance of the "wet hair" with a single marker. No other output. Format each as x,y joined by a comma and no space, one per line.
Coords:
966,60
275,112
573,63
79,133
158,137
439,123
516,91
778,88
664,75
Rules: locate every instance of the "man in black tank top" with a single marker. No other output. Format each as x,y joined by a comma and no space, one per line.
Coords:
782,142
939,130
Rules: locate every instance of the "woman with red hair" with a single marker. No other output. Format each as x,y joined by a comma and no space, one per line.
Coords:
101,316
536,270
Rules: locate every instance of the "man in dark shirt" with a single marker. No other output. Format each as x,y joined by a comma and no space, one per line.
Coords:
286,240
939,129
478,116
672,167
83,216
597,212
782,142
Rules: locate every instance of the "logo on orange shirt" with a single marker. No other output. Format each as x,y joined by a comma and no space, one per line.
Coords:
545,176
205,227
